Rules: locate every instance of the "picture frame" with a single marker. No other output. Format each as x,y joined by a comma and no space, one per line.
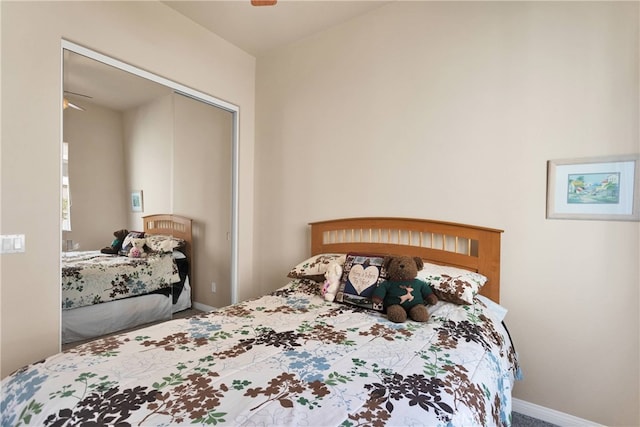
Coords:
137,202
597,188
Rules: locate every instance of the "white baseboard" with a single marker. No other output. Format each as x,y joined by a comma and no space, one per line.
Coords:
203,307
550,415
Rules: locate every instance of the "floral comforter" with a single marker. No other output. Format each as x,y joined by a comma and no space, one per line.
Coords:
91,277
289,358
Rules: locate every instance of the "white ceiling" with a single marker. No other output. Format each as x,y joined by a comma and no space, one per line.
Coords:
87,81
258,29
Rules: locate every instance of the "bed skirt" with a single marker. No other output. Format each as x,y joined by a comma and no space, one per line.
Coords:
95,320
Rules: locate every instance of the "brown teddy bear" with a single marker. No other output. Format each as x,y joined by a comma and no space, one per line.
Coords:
403,294
116,244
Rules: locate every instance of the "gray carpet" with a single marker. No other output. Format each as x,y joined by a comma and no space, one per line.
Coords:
520,420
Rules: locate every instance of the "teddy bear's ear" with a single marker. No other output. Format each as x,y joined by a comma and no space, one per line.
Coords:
337,269
419,262
387,262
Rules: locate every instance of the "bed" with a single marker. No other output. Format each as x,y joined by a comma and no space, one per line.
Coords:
293,358
103,293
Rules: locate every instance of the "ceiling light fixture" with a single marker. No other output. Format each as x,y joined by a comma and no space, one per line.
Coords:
264,2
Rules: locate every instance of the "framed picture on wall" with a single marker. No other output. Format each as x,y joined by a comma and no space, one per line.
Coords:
599,188
137,203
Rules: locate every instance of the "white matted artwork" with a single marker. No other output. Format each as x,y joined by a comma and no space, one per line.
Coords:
601,188
137,203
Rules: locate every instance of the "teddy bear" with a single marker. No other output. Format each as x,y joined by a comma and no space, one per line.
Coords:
137,248
116,244
332,281
402,294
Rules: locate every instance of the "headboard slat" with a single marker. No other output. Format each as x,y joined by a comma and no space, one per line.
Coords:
171,225
466,246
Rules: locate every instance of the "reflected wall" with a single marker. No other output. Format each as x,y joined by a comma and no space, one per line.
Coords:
176,151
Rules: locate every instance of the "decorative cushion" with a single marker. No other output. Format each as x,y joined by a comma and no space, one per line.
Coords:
314,268
452,284
163,243
360,277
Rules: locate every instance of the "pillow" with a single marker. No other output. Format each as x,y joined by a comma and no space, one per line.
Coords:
126,243
314,268
361,275
498,311
164,243
452,284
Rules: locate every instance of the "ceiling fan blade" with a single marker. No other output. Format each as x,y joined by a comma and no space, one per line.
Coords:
66,104
264,2
77,94
77,107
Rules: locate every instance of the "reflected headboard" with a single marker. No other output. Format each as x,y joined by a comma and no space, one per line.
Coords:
466,246
171,225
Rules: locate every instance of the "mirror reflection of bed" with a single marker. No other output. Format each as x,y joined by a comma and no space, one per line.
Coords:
137,135
115,288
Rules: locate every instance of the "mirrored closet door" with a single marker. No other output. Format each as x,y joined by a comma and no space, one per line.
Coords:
142,157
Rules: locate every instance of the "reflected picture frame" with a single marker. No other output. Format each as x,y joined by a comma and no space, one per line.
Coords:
137,202
598,188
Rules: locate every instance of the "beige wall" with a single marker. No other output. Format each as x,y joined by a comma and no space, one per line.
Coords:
178,151
148,148
439,110
111,154
97,175
148,35
450,111
202,178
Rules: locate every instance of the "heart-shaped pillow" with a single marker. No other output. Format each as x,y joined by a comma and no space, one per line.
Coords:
361,278
361,274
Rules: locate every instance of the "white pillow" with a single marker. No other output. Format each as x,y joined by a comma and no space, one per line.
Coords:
163,243
314,268
452,284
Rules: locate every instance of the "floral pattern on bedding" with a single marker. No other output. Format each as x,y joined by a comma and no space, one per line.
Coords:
289,358
92,277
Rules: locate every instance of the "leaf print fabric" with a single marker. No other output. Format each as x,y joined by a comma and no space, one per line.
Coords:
91,277
289,358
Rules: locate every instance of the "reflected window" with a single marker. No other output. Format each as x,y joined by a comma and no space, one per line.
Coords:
66,192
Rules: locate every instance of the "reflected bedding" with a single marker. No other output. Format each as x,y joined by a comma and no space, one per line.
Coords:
91,277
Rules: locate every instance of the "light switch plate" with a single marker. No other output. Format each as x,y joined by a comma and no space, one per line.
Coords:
12,243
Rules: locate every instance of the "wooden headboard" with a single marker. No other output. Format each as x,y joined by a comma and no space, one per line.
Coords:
171,225
465,246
